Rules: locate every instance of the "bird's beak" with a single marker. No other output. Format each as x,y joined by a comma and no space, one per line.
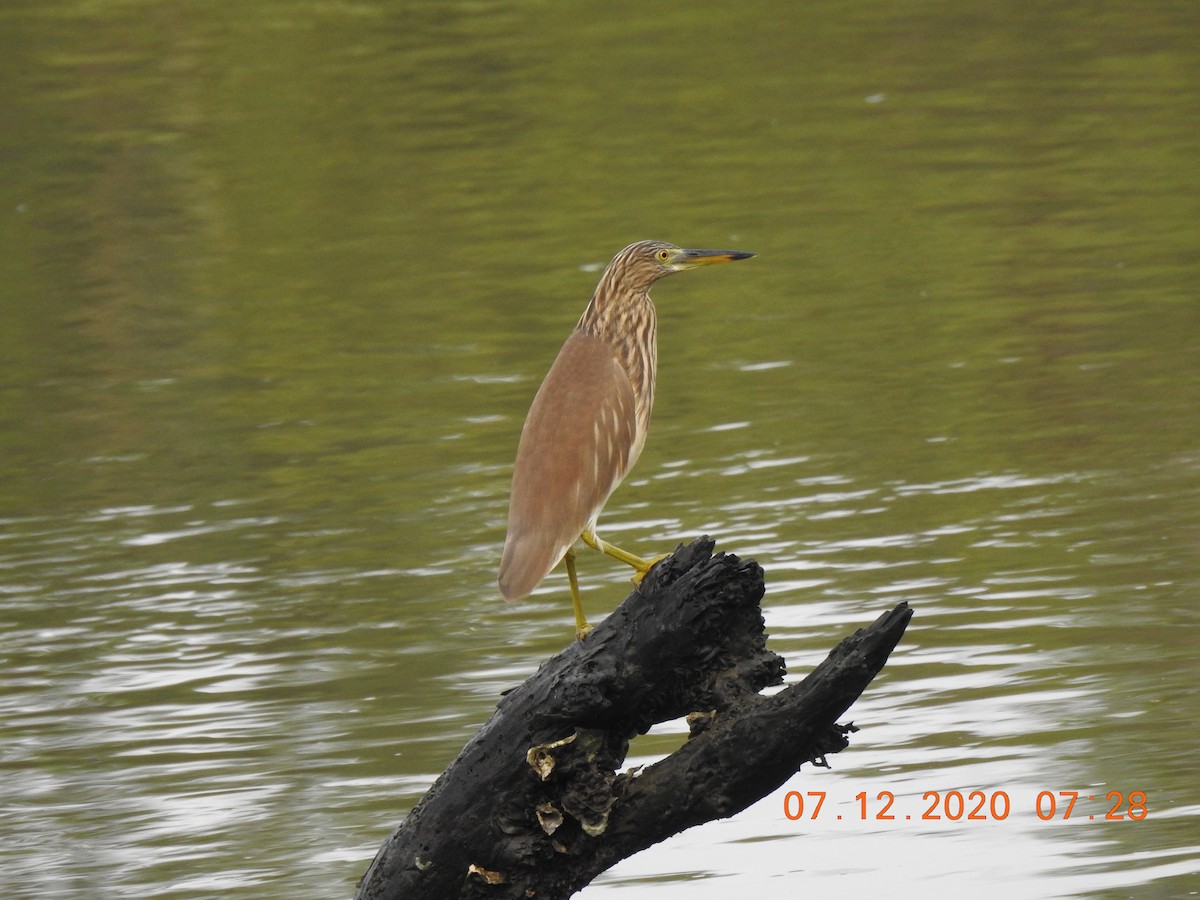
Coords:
690,259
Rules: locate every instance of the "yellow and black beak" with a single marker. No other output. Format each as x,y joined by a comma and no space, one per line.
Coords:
690,259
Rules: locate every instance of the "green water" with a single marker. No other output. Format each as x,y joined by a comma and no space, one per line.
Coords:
278,282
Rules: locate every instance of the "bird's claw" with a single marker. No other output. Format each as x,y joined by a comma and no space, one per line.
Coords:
650,564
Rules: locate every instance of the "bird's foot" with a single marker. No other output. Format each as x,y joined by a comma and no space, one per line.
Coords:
648,564
584,630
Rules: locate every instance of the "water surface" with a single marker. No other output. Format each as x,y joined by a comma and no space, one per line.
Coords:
278,283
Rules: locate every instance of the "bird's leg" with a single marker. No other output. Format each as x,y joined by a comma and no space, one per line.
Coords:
582,628
640,566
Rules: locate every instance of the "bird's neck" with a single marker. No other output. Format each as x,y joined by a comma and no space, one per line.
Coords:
619,320
629,326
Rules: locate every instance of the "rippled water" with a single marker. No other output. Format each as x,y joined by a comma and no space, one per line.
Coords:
223,726
277,287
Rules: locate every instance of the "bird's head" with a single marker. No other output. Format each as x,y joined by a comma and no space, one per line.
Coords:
640,265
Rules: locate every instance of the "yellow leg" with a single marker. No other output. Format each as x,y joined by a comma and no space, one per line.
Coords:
582,628
640,566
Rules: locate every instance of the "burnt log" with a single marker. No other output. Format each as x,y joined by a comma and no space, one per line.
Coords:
535,805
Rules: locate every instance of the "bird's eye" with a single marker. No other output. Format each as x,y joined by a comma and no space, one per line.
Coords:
663,255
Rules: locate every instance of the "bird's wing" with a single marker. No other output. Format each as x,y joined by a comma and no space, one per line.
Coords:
575,449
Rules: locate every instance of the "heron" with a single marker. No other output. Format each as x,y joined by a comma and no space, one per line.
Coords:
588,423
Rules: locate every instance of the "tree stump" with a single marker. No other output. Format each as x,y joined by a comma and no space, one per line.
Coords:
535,805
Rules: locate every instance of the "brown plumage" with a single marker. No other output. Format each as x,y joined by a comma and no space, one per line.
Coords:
588,422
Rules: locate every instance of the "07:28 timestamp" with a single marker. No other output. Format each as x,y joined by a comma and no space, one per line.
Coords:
974,806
